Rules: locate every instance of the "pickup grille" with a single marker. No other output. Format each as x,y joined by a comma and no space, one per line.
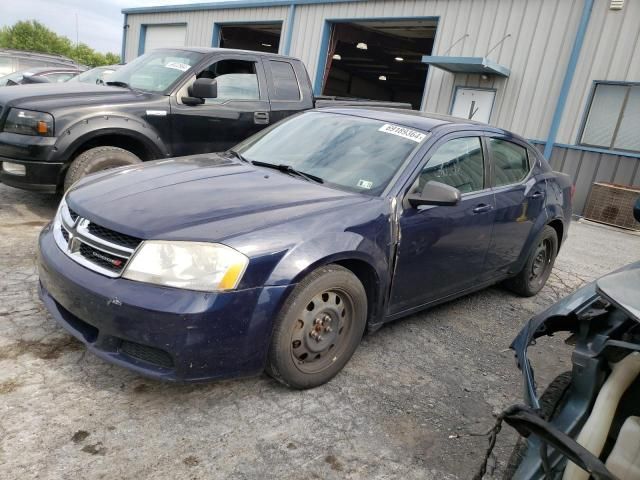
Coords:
93,246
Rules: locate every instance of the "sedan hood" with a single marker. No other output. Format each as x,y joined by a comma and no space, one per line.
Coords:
47,97
200,198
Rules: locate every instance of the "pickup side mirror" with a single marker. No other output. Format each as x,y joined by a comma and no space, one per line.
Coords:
435,193
202,88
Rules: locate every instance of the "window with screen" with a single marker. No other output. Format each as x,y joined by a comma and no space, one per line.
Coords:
510,162
613,117
458,163
285,83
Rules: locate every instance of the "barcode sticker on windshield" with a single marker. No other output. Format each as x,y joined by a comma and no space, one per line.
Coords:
403,132
365,184
183,67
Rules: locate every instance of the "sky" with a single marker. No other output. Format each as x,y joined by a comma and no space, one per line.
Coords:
99,21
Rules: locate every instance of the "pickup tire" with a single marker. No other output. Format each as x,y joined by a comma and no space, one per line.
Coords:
318,328
98,159
538,266
550,403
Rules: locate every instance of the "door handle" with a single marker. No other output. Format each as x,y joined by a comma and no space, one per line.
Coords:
536,195
483,207
261,118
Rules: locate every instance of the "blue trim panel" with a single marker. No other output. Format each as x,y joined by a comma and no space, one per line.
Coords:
230,5
621,153
125,30
142,40
475,65
215,36
568,77
285,49
326,33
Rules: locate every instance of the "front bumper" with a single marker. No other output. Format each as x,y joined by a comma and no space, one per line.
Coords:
38,155
164,333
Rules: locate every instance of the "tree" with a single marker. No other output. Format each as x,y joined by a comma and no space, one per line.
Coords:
35,37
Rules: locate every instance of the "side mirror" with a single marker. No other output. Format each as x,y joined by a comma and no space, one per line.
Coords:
636,210
202,88
435,193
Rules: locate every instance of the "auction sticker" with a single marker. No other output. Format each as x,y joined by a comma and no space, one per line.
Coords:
403,132
183,67
365,184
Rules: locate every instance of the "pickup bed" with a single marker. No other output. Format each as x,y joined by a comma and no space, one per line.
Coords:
166,103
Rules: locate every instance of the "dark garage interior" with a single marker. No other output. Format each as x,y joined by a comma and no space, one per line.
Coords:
261,37
379,60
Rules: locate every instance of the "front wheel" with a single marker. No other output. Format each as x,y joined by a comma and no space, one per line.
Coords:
538,265
96,160
318,328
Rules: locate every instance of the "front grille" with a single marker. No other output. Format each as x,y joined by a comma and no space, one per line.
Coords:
147,354
113,237
65,234
74,216
103,259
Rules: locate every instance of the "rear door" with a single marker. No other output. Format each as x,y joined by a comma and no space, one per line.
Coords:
240,110
442,248
520,198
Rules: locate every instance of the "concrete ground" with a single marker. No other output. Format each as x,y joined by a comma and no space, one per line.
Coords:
402,408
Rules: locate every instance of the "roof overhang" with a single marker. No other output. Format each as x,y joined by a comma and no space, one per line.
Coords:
228,4
474,65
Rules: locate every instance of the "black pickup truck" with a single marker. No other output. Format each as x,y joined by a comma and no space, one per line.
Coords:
167,103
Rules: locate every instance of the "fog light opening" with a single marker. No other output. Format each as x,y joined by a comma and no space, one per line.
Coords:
14,168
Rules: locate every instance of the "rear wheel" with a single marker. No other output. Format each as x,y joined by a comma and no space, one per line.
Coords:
550,403
318,328
538,265
98,159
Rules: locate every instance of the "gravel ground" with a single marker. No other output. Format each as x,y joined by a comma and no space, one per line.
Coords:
403,407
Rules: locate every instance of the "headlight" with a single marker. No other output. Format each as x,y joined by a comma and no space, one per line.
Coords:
206,267
28,122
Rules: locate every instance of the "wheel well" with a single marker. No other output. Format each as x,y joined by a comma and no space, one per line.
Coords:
559,228
131,144
369,278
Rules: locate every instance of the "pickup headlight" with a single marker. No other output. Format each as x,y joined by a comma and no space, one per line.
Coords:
29,122
206,267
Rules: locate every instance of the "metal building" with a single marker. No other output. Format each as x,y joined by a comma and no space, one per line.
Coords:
563,73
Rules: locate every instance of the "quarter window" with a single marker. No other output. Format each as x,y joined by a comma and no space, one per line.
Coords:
458,163
285,82
510,162
613,117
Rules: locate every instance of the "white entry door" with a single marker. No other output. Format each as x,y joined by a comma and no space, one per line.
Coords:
473,104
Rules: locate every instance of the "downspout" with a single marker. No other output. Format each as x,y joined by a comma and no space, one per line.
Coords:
568,77
125,27
286,48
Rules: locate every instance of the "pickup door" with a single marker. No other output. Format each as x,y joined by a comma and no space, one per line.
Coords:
240,110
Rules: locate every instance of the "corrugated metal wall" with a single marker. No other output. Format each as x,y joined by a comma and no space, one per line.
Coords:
611,51
199,23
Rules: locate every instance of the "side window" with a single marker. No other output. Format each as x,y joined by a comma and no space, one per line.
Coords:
510,162
59,77
285,82
459,163
236,79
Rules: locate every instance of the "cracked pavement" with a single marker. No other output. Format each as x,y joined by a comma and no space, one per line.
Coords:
402,408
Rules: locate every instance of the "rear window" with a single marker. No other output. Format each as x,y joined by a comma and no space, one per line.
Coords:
510,161
285,82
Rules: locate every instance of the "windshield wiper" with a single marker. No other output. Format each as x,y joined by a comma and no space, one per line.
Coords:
238,155
288,169
119,84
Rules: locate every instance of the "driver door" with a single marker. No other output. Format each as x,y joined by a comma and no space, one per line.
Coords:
442,248
240,109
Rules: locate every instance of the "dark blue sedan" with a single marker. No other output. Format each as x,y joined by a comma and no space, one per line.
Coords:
280,253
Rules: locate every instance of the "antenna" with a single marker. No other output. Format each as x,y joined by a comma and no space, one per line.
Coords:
77,40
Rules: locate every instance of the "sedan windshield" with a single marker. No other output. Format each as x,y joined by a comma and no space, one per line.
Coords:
353,153
154,71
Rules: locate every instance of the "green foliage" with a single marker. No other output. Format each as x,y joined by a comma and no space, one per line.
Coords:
36,37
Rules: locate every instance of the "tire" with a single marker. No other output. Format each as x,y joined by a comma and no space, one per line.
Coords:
537,268
318,328
550,402
98,159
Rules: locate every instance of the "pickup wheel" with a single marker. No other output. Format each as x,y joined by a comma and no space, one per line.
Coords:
538,266
318,328
95,160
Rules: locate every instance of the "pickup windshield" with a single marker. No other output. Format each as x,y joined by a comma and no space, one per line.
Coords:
155,71
347,152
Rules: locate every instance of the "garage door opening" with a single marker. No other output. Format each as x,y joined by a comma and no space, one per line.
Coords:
260,37
163,36
379,60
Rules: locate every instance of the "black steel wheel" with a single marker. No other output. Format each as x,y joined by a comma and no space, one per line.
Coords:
318,329
538,266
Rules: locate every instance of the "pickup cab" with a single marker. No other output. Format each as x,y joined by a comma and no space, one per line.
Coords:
167,103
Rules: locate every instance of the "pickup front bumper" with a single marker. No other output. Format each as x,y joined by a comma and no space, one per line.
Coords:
41,171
